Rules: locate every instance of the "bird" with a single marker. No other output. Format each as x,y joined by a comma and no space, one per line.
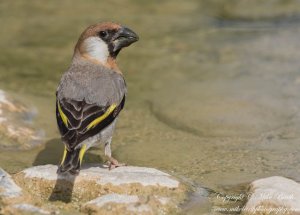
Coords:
91,94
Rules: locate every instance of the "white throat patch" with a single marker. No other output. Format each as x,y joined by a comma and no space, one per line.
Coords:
96,48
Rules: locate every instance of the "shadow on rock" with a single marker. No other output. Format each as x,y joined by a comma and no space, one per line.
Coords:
63,188
52,154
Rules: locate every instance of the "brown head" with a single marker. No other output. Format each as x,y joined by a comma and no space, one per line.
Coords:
102,42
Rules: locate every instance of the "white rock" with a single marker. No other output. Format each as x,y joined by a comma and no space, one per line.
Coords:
163,200
139,208
273,193
8,188
124,190
114,198
124,175
30,208
142,175
47,172
129,201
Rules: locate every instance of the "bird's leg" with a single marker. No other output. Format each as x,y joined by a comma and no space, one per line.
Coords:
113,163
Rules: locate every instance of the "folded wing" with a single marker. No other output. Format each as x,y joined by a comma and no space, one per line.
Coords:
78,120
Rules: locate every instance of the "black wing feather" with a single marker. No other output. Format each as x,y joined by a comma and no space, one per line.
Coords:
80,115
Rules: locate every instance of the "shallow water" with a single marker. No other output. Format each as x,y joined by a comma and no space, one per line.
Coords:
213,86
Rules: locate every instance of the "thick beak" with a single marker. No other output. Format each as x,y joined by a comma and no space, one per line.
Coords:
123,38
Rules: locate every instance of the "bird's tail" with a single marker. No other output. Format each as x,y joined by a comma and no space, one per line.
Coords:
72,160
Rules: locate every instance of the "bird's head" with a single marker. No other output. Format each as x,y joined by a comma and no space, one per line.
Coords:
102,42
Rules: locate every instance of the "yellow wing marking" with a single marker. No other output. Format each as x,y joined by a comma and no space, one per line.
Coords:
101,118
81,153
64,156
62,115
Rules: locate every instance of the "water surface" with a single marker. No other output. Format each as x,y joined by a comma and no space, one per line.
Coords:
213,86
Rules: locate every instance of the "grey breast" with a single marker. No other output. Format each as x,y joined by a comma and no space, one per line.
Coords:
92,83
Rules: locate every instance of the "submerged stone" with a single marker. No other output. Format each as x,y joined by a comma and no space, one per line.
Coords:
16,130
257,10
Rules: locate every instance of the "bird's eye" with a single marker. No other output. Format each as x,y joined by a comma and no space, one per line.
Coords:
103,34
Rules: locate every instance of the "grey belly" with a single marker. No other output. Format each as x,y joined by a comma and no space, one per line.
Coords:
101,138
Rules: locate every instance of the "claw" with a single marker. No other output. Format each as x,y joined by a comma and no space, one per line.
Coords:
113,163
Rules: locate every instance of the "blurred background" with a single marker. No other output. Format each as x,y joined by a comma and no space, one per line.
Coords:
213,87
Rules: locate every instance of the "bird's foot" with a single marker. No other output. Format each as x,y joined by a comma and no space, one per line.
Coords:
113,163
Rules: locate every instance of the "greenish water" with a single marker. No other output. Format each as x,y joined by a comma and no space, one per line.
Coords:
213,85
